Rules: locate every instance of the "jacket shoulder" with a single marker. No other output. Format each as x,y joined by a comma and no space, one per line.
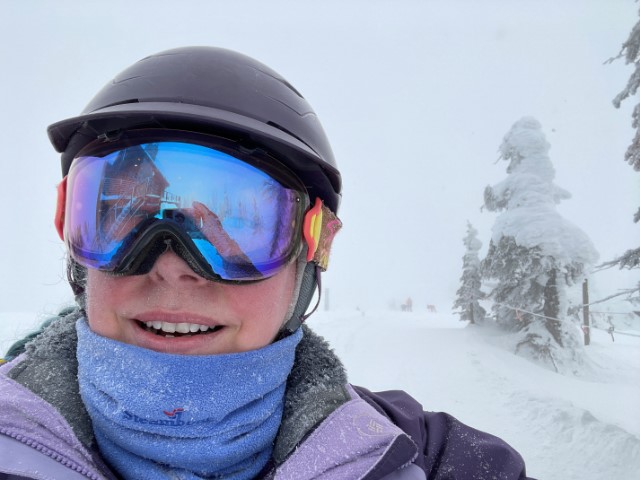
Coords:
353,441
450,449
34,436
19,461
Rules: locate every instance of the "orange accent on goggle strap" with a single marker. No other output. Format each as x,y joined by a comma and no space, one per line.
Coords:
319,228
58,220
311,228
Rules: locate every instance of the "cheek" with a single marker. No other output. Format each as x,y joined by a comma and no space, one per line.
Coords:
102,299
264,306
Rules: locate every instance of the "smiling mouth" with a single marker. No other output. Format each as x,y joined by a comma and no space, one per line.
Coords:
174,330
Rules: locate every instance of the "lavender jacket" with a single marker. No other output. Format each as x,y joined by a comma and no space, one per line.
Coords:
330,429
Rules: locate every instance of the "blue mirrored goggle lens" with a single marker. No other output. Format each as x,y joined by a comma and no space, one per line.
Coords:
245,223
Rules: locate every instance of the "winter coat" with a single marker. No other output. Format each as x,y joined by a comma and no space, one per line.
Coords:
329,430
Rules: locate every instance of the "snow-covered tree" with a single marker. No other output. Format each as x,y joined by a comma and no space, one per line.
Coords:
631,53
534,253
469,294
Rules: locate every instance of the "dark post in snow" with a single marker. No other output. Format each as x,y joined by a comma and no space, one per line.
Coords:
585,312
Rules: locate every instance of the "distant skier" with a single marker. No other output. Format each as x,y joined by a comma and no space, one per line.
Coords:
409,304
198,207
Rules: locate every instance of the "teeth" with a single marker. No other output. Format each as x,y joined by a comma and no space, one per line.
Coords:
177,327
168,327
182,328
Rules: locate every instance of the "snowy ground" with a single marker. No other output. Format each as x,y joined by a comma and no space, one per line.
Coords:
583,427
566,428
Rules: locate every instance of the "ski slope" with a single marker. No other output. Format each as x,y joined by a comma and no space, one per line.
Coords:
585,426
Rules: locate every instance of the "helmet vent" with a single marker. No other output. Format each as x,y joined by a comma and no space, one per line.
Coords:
122,102
288,132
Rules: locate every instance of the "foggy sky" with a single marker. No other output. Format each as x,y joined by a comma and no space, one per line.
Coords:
414,96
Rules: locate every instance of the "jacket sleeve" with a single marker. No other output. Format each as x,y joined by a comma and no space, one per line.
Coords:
451,450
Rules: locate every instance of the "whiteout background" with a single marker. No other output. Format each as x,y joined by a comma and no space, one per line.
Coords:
415,98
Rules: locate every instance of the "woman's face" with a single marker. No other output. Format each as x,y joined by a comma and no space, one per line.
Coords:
153,310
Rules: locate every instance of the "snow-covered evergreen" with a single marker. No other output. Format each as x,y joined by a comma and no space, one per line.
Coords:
469,294
534,253
631,53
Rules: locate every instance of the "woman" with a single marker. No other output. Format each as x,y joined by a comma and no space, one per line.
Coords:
198,207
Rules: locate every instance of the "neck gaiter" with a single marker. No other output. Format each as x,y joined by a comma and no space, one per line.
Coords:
165,416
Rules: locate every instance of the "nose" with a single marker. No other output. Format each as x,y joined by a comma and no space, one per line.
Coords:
171,268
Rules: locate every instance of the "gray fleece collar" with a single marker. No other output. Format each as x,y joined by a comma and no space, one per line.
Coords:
315,387
50,370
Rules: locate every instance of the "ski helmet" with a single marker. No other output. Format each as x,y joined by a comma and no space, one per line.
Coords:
210,90
217,91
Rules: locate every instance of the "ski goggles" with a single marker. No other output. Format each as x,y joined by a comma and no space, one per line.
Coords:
234,214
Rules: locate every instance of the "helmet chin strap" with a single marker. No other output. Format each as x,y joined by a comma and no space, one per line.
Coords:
308,277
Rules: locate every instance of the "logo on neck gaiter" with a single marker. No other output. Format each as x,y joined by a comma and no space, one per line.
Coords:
174,418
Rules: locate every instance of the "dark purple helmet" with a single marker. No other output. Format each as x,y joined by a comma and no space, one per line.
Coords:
210,90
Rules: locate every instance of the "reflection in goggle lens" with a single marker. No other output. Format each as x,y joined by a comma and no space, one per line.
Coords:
244,222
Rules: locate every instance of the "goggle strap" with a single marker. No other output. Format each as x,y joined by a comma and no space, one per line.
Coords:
319,227
58,219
